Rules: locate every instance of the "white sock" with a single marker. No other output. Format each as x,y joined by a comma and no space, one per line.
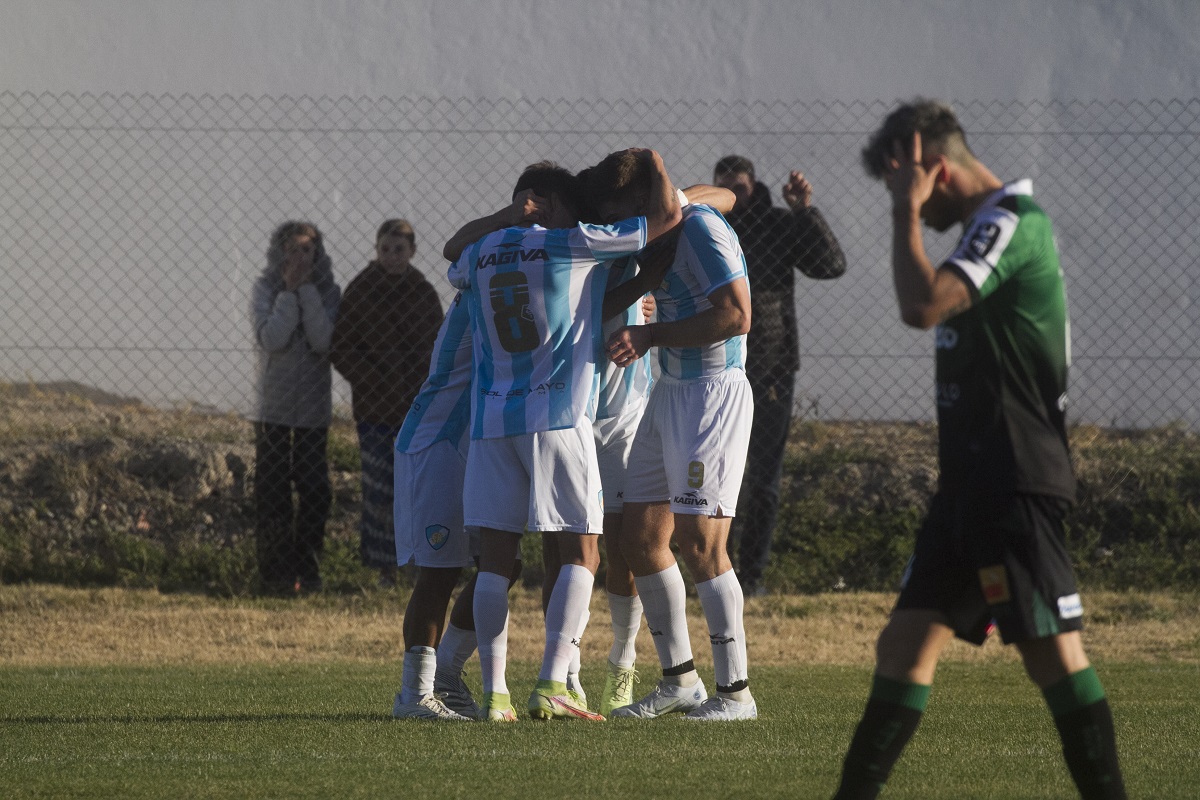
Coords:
568,603
665,604
456,647
416,680
491,629
626,620
722,601
573,669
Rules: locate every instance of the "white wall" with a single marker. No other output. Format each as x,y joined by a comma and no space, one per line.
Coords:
723,49
96,257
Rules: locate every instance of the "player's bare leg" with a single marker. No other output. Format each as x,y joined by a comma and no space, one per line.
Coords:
423,620
702,542
1075,696
906,659
646,543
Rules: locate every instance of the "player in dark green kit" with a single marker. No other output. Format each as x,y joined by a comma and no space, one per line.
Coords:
992,544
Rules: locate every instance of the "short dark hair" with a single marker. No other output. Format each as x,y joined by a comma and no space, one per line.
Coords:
546,178
734,165
937,124
619,176
396,227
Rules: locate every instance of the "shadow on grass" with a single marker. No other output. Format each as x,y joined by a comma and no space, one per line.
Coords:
135,719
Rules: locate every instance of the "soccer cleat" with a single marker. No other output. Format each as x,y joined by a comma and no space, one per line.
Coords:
618,688
453,691
428,707
497,707
550,700
723,709
665,698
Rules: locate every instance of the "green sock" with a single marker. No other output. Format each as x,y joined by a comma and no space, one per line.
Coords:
890,719
1073,692
1085,726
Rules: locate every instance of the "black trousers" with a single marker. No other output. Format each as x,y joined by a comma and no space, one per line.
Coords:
290,533
758,502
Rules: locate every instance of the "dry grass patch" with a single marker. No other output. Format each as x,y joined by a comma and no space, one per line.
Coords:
56,626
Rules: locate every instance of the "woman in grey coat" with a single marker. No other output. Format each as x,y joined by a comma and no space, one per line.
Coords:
293,307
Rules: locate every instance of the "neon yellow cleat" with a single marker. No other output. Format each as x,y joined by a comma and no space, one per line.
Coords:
497,707
550,700
618,688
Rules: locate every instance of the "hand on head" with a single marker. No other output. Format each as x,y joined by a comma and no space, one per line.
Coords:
909,178
528,208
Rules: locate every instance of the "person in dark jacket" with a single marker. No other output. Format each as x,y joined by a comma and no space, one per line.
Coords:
382,341
777,243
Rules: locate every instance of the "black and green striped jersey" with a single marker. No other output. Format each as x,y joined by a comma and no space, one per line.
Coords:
1002,364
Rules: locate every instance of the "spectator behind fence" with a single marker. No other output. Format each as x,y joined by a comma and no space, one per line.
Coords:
293,305
775,242
382,342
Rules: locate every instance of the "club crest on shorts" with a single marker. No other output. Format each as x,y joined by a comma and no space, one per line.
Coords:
994,582
437,536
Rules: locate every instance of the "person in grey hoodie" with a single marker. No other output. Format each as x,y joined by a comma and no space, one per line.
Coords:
293,307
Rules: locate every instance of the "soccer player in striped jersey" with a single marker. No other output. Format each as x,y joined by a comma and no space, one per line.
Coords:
430,459
620,402
430,452
685,468
536,298
992,545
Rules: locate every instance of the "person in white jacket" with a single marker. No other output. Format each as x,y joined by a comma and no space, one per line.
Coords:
293,307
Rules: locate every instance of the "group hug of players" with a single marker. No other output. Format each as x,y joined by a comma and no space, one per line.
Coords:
541,406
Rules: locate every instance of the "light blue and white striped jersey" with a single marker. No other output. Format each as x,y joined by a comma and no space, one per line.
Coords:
535,297
442,408
622,389
707,257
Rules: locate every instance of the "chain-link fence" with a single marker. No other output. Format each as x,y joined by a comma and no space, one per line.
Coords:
132,229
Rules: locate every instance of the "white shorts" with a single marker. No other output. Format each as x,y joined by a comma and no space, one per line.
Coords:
690,448
614,439
546,481
429,509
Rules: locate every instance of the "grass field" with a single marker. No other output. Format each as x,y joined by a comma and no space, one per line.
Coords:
156,711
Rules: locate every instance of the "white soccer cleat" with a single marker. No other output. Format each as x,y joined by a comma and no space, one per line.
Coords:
665,698
428,707
723,709
453,691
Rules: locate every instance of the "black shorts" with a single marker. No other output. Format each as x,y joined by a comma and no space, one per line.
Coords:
1003,559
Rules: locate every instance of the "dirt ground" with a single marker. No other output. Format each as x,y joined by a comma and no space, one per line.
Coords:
56,626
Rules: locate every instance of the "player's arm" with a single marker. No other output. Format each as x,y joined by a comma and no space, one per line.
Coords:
525,208
720,199
663,212
728,317
653,263
926,296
